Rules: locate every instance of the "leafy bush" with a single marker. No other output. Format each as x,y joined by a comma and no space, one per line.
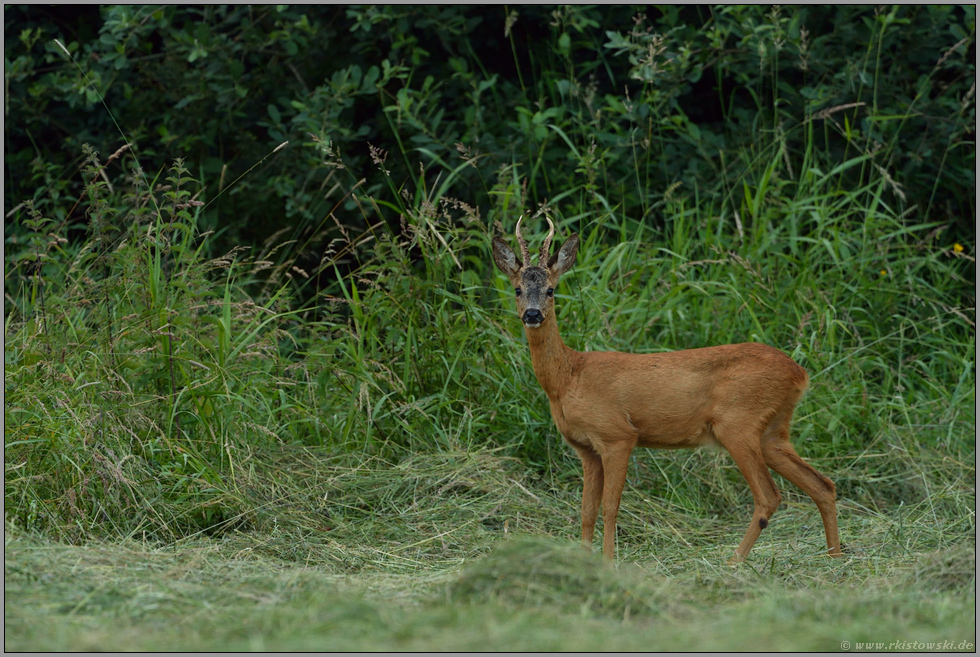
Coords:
621,104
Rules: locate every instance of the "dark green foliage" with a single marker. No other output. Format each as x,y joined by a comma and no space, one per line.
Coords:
624,105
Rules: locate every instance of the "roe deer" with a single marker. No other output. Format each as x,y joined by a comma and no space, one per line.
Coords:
604,404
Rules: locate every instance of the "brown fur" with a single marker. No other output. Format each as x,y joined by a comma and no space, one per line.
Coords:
739,396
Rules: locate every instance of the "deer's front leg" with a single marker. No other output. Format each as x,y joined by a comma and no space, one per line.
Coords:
615,460
591,491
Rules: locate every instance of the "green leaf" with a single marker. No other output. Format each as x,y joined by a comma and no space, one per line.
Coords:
564,44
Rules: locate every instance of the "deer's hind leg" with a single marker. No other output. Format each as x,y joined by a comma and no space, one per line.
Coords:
746,451
781,457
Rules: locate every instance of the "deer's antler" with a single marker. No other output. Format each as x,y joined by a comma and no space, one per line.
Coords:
521,242
546,247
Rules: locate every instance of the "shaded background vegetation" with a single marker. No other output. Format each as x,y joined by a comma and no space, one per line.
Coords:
634,102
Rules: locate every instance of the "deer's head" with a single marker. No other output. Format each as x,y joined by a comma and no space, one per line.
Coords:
534,285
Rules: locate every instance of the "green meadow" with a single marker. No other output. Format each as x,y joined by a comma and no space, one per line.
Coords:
265,390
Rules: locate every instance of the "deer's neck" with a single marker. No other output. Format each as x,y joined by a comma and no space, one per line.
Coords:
551,359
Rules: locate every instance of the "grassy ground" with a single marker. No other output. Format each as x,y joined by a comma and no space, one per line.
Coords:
500,583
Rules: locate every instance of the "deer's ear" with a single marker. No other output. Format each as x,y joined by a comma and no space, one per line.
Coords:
505,258
565,258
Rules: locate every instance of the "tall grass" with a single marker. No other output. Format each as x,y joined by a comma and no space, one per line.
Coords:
147,380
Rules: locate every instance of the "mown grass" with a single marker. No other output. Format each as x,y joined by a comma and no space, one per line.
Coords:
527,593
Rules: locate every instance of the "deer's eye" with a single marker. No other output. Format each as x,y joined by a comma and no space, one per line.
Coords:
517,291
551,292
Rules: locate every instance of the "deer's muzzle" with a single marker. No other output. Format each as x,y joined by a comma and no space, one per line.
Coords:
532,317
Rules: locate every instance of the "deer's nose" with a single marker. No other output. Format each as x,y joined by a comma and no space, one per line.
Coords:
533,317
